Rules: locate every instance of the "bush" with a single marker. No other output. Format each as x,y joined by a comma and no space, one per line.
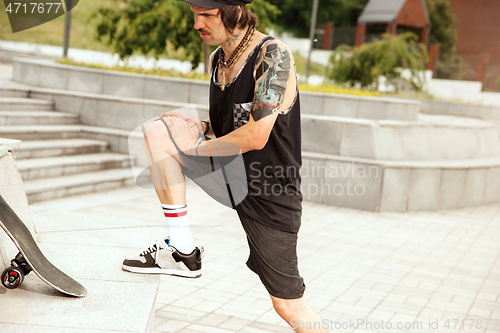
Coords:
451,68
147,26
362,66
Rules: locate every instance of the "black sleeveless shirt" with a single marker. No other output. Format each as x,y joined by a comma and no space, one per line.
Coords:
273,173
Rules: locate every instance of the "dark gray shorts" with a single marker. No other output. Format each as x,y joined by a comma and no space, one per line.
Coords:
273,257
273,253
221,177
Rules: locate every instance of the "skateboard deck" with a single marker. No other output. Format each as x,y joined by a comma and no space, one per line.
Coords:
31,258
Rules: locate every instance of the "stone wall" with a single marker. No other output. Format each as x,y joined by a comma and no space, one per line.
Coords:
489,113
12,190
399,186
46,74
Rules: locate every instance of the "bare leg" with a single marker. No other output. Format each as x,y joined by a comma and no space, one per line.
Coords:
299,315
164,166
170,185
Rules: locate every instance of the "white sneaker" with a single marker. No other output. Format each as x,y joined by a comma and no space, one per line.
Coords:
161,258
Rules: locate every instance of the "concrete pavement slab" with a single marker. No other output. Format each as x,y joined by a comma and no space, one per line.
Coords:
90,249
396,267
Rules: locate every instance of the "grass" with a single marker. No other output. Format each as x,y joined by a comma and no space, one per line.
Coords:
332,88
82,30
301,66
52,33
156,71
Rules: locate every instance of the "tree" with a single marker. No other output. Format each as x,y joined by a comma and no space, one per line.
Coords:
363,66
146,26
442,33
295,15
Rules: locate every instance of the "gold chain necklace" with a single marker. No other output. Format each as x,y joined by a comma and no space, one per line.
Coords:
247,39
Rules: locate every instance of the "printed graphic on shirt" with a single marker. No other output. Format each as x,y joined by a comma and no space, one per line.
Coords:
241,114
272,77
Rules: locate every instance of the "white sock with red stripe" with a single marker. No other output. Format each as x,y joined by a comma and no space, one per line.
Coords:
178,228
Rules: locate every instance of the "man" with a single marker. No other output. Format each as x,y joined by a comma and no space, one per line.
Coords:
255,110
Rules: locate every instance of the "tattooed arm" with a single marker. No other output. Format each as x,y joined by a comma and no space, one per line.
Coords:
272,76
275,88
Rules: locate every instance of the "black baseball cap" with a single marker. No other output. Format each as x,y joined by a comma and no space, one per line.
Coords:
217,3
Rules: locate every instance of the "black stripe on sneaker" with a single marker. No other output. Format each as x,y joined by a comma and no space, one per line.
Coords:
150,262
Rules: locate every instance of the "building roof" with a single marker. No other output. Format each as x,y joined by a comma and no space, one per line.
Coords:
382,11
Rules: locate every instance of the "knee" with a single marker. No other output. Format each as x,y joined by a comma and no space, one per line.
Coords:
155,130
156,136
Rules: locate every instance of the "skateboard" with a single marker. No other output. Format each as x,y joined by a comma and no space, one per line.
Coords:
30,258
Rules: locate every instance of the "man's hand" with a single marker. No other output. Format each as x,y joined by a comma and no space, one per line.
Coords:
173,114
184,133
190,120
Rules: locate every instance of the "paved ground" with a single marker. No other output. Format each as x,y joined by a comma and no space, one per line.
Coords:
363,270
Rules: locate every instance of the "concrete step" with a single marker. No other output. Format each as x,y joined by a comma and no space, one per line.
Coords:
9,89
54,148
485,112
82,245
351,106
119,140
25,104
6,71
97,110
409,185
429,138
58,187
70,165
40,132
38,118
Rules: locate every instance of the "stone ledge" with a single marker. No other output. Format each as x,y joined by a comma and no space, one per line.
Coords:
399,186
10,144
3,151
120,141
48,74
365,107
108,82
90,249
490,113
423,121
12,190
427,139
449,107
416,164
109,111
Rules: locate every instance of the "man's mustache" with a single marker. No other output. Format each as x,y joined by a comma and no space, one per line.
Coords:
203,31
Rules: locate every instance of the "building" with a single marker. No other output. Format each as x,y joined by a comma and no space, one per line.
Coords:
393,16
478,28
396,16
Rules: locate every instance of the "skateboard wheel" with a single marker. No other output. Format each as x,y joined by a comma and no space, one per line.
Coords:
12,277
